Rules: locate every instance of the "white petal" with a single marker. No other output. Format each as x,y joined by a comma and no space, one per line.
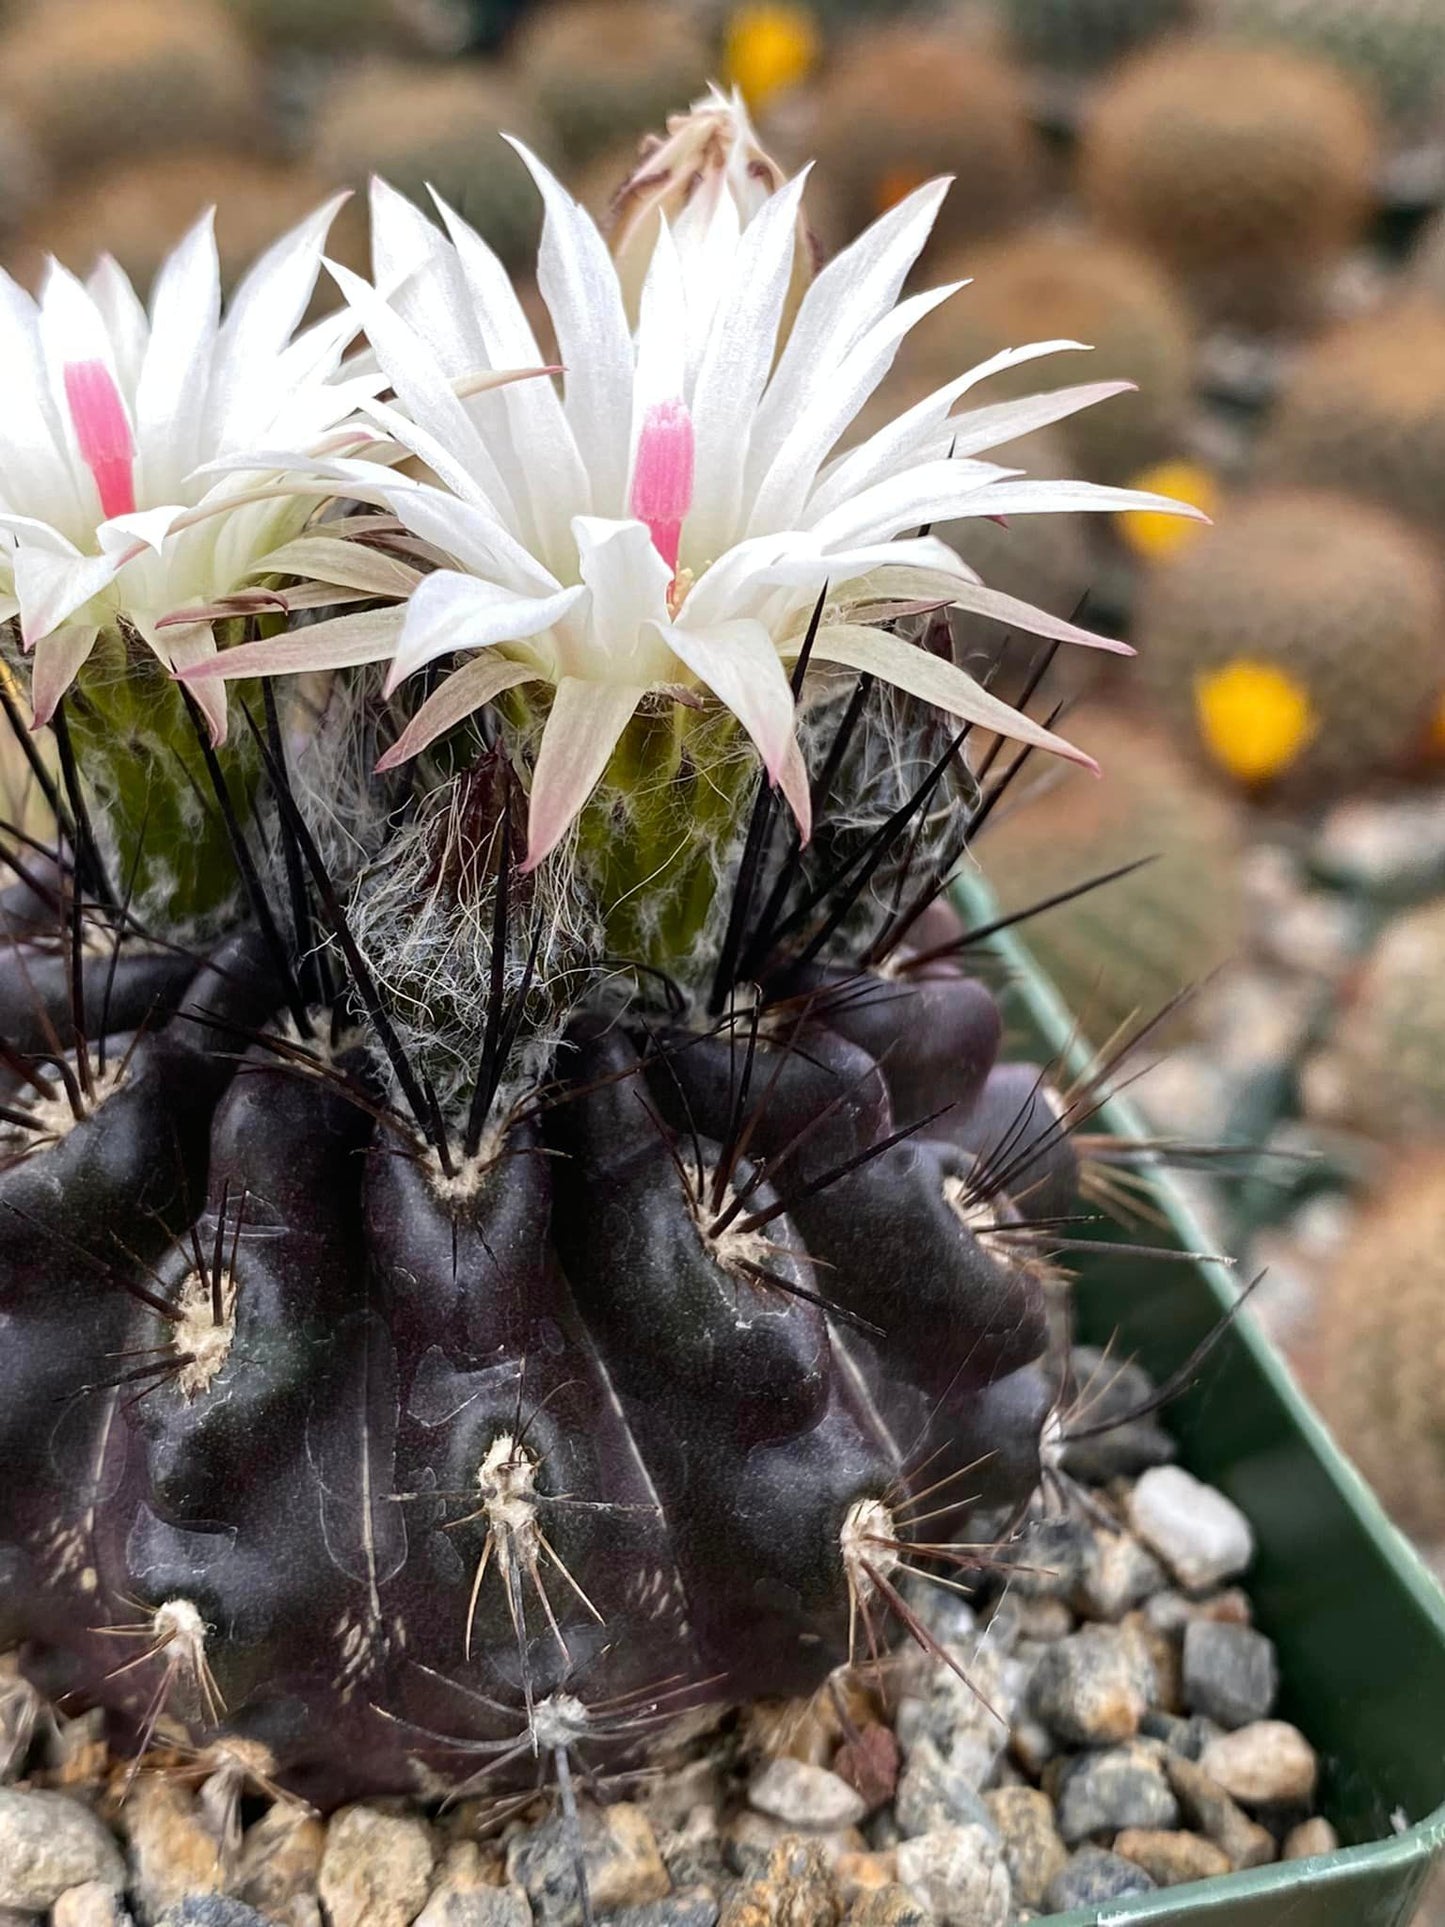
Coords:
932,492
853,290
141,528
351,565
734,368
661,332
1060,498
470,534
170,402
739,664
874,652
629,582
913,436
579,285
1005,421
424,390
124,315
586,720
343,643
466,690
264,313
58,658
50,586
782,492
451,611
181,647
982,601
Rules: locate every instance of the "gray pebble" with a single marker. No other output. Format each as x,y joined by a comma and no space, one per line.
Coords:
1119,1574
212,1910
805,1795
1093,1876
694,1907
1200,1535
620,1855
933,1793
1102,1792
1112,1389
1188,1738
49,1842
1230,1672
959,1874
1048,1559
475,1905
1094,1687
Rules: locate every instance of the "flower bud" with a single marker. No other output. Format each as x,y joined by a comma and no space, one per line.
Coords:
709,152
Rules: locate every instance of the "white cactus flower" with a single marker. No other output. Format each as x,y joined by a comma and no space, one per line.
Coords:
108,517
662,521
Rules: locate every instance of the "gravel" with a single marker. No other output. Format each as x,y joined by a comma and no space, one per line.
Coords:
1200,1535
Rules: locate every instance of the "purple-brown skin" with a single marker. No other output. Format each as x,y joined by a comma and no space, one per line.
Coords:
564,1425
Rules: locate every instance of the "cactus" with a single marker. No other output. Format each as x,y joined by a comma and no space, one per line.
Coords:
1382,1070
435,127
485,1268
1366,404
1251,640
95,80
1248,170
903,102
137,213
1394,48
599,72
343,27
1121,953
1073,287
1083,36
1373,1363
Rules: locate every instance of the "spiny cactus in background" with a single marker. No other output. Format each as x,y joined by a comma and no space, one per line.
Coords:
138,212
1365,408
349,26
426,127
1376,1365
512,1239
903,102
1073,287
601,70
1298,642
1249,171
1122,952
1393,48
1382,1071
96,80
1083,36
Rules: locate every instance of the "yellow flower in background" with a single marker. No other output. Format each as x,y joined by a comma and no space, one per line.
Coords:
769,48
1156,536
1254,718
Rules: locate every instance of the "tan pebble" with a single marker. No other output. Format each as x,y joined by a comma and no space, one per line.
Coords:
1231,1607
1268,1763
860,1873
280,1858
1209,1808
1170,1859
92,1905
173,1853
1164,1657
1308,1839
376,1868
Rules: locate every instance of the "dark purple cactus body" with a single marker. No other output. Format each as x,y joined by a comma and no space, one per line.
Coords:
411,1469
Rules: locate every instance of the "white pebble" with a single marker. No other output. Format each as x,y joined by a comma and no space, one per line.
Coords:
805,1795
1201,1536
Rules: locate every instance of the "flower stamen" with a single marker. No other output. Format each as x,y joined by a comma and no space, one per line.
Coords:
662,476
102,428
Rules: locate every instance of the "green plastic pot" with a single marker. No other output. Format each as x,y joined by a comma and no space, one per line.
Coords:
1358,1620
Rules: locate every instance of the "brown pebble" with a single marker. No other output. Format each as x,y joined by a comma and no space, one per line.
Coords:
869,1764
173,1853
1309,1838
1169,1858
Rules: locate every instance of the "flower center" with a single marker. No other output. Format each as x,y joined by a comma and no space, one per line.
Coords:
662,475
102,429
